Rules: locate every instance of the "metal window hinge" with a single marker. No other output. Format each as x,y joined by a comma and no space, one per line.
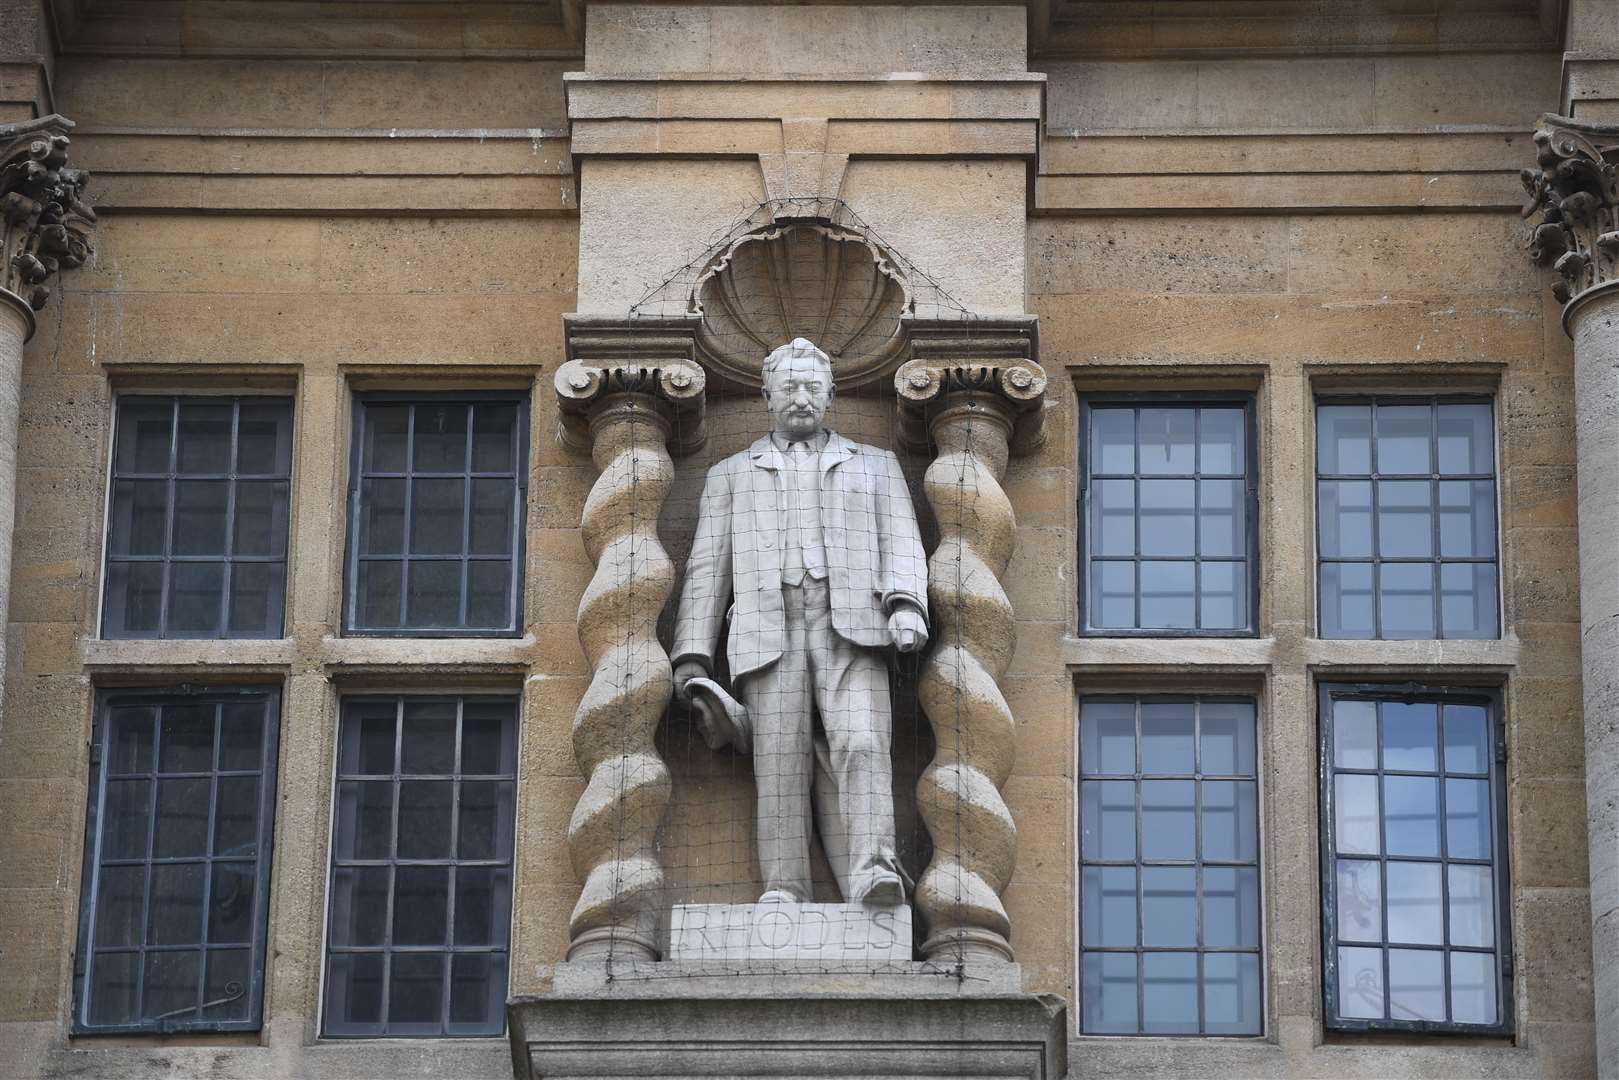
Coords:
95,752
1501,748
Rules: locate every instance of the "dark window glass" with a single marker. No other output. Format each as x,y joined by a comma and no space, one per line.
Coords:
1169,867
177,863
1405,511
1415,897
436,503
420,917
1168,517
197,522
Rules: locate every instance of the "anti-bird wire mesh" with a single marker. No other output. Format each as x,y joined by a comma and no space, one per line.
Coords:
808,793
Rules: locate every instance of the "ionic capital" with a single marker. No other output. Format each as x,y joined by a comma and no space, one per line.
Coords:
47,224
983,367
668,393
1575,189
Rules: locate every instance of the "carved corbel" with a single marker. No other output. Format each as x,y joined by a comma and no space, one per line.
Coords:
47,223
626,415
1575,189
974,412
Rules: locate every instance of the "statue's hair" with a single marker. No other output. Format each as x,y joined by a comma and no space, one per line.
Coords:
795,347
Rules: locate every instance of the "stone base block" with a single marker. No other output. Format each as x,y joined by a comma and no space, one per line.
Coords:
818,934
655,1019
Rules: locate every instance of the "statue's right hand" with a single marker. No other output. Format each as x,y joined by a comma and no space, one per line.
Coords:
685,672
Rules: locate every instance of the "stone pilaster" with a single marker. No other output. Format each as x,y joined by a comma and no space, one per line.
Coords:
1575,191
624,413
46,228
972,409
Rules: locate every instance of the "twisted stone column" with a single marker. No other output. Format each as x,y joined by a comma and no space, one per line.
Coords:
45,230
970,412
1575,189
625,415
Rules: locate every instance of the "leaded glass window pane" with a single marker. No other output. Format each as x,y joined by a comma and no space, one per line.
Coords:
1169,867
177,857
197,519
1414,915
436,514
1406,519
1168,517
422,835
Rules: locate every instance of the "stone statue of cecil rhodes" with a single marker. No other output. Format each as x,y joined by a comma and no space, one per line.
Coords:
807,540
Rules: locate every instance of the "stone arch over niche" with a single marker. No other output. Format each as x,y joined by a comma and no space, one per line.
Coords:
801,267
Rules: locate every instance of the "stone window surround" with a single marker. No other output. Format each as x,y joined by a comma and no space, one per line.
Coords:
211,382
1281,670
378,689
1188,398
236,398
1329,689
359,398
1237,690
270,692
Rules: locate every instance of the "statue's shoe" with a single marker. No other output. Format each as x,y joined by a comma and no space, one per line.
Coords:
779,896
886,890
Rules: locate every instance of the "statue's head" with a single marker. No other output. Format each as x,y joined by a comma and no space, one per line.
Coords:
797,388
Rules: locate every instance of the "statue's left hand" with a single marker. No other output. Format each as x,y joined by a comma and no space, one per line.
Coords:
908,629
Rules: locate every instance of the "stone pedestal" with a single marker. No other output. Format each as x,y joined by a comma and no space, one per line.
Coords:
656,1019
816,934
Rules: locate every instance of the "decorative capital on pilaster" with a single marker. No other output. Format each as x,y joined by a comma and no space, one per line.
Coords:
985,360
673,388
1576,190
47,224
654,358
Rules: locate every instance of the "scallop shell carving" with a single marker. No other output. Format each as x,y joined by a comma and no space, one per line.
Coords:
815,281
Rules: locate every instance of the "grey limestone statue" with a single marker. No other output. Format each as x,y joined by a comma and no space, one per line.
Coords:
808,542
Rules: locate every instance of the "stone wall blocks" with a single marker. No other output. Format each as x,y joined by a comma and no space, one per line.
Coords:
1544,577
1547,833
1547,736
1539,497
1554,941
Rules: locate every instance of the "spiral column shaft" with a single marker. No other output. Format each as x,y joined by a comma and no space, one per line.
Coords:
626,415
971,421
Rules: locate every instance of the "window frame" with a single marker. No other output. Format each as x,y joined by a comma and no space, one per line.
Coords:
106,699
1243,399
1376,561
393,860
1260,950
1491,699
362,400
229,476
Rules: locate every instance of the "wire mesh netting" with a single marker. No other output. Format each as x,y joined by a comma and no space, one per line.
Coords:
800,615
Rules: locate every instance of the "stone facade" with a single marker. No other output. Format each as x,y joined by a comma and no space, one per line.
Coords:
322,200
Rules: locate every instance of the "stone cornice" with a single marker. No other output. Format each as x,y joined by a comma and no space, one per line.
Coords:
1575,190
47,224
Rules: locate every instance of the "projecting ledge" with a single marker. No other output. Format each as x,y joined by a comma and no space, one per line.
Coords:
783,1024
1215,655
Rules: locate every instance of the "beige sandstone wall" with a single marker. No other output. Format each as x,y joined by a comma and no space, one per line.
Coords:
1210,250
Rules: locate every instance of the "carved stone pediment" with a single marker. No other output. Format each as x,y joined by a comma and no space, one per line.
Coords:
802,279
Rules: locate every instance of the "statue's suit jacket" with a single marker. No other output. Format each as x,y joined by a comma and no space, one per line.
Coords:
873,551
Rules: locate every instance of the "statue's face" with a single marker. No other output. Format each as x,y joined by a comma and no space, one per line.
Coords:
797,394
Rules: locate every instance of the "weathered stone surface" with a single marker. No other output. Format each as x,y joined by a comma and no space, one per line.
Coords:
812,934
926,1022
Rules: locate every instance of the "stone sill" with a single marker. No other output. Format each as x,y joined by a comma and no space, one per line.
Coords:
798,77
1258,656
183,655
